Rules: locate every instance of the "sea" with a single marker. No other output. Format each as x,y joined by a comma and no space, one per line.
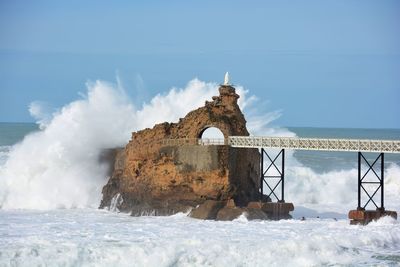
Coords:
87,236
51,180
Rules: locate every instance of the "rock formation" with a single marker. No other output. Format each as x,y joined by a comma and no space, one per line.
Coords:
165,170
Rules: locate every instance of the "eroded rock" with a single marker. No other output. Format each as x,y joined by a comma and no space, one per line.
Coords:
160,178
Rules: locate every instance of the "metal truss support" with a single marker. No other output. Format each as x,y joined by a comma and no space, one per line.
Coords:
265,177
379,181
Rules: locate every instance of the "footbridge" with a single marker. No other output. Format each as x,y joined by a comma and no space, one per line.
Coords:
347,145
272,168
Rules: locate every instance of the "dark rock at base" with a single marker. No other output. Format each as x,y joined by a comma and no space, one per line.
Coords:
158,209
277,208
273,210
229,214
255,214
226,211
207,210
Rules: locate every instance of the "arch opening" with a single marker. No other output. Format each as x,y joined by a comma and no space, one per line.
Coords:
211,136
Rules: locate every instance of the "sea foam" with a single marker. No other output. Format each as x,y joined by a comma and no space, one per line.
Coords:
98,238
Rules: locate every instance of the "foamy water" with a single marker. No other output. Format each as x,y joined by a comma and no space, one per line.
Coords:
56,170
100,238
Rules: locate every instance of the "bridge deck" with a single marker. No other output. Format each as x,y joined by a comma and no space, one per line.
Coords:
357,145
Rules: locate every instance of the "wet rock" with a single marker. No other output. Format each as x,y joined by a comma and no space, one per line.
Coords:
229,214
272,210
277,210
208,210
255,214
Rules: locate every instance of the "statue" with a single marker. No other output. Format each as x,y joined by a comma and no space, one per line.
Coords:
226,79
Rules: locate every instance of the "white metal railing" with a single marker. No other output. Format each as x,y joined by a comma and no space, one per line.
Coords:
211,141
357,145
194,141
362,145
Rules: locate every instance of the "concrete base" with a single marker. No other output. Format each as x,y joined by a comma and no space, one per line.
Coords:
366,216
274,210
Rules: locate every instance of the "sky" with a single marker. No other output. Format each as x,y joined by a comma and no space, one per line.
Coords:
322,63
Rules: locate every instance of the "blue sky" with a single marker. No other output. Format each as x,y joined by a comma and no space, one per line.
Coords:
323,63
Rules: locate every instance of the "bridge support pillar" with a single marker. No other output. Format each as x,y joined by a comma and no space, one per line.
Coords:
273,177
369,188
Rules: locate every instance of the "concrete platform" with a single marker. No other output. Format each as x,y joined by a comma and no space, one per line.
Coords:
366,216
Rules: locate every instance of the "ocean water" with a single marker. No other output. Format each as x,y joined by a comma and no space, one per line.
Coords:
51,181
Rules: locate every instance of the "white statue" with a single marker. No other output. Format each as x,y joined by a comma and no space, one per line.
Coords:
226,79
